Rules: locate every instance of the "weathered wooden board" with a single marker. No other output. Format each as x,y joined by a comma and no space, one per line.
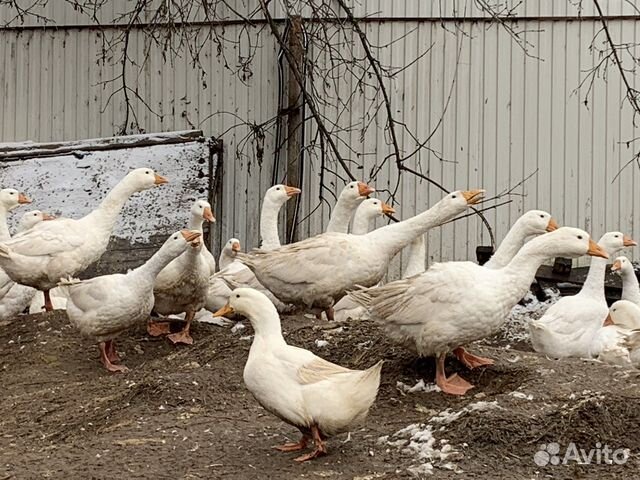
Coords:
72,185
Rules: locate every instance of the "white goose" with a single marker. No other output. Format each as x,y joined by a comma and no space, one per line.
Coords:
201,212
618,341
19,297
317,271
630,289
181,286
228,253
274,198
43,255
351,196
368,211
318,397
533,222
104,307
10,198
416,257
567,327
455,303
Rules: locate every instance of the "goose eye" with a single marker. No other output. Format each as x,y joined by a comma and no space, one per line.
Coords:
541,216
278,188
617,236
148,172
579,237
12,193
453,196
237,295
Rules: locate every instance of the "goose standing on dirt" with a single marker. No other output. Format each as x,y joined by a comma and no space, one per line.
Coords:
181,286
533,222
455,303
630,289
274,198
318,397
350,198
43,255
567,327
367,212
318,271
103,307
18,297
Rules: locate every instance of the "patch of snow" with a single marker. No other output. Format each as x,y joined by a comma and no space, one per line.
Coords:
418,387
521,395
516,328
237,327
321,343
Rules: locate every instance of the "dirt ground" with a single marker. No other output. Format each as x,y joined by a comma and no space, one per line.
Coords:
184,413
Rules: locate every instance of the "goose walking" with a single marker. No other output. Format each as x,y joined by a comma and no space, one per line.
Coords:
101,308
318,397
455,303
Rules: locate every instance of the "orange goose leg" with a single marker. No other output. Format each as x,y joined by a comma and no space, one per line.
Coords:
321,448
183,336
48,306
470,360
104,357
294,447
454,385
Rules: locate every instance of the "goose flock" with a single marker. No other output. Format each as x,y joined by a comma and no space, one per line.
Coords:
433,312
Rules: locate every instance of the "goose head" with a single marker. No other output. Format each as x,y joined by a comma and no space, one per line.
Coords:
374,207
457,202
565,242
625,314
537,222
279,194
355,192
202,209
32,218
622,266
231,247
611,242
10,198
143,179
178,242
252,304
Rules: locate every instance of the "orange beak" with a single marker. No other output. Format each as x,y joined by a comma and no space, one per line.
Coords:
224,311
46,216
160,179
473,196
552,226
596,250
190,235
365,190
22,198
608,321
291,191
208,215
387,209
629,242
617,265
235,247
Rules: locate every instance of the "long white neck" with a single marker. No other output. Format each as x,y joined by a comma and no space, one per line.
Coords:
269,224
341,215
266,322
417,251
4,228
513,241
195,223
630,287
521,270
226,258
151,268
109,209
394,237
594,283
361,223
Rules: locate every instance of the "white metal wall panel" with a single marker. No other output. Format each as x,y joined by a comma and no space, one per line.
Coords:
509,113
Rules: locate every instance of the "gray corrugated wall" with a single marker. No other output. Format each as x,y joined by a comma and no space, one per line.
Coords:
509,114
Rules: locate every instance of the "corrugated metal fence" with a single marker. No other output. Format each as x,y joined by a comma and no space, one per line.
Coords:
504,114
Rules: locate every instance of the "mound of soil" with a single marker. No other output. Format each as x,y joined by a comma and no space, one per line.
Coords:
184,413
